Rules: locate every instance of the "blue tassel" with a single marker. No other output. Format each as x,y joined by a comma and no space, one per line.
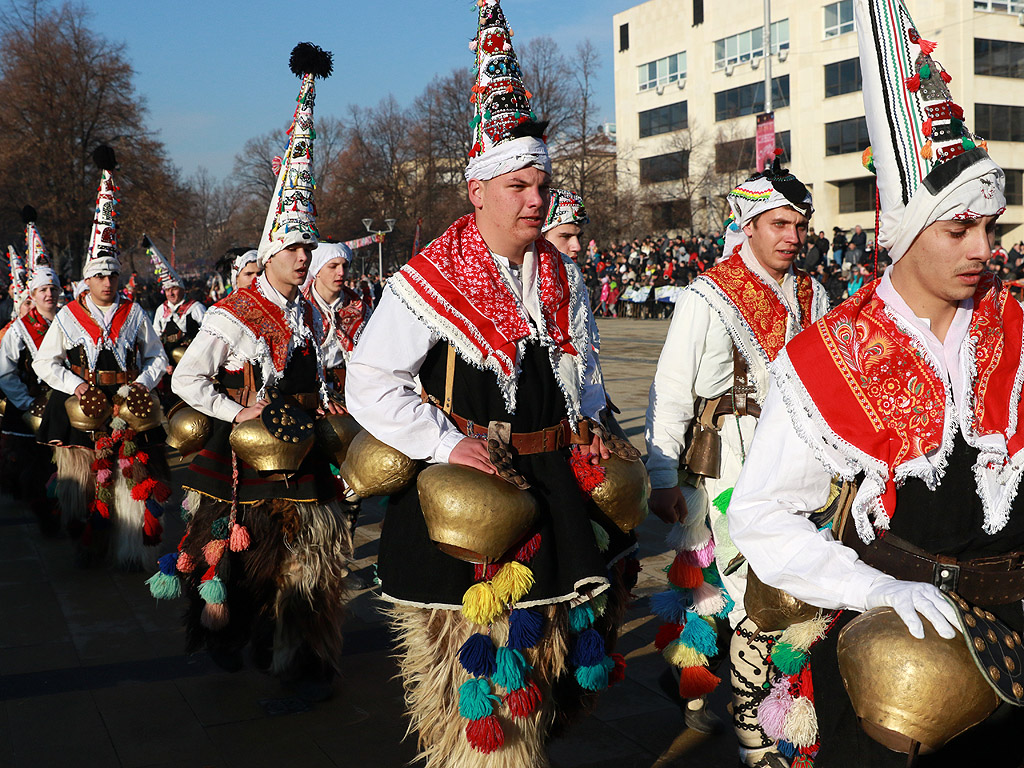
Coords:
477,655
525,628
581,617
588,649
475,699
154,507
168,563
670,605
164,586
512,669
728,607
593,678
699,635
787,749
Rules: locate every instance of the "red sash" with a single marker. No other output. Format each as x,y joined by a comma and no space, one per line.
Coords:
36,326
85,319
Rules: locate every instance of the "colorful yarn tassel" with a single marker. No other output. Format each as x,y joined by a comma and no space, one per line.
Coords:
525,628
926,127
595,678
666,634
926,150
946,77
485,735
913,83
927,46
670,605
588,650
581,617
480,605
600,536
512,582
697,681
788,659
684,575
476,700
679,654
477,655
699,635
213,592
524,701
239,539
511,669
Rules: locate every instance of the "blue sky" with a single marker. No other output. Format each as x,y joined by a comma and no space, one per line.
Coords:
216,73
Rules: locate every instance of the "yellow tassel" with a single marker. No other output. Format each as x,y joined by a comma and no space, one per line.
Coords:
512,581
680,655
926,151
480,605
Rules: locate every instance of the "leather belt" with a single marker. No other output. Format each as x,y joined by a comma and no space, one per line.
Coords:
245,397
170,338
727,407
542,441
105,378
984,581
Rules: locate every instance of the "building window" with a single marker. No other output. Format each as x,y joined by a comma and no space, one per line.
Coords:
842,77
623,37
998,58
839,18
698,12
738,155
670,214
670,167
846,136
857,195
663,71
749,99
750,44
999,122
671,117
1014,187
999,7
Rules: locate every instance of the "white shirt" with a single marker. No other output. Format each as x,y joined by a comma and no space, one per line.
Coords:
166,314
11,383
782,481
381,387
224,344
49,362
330,347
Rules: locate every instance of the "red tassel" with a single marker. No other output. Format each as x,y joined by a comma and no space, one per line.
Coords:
485,735
102,508
588,476
210,573
696,681
529,549
185,563
524,702
956,110
684,575
144,490
618,673
927,46
151,527
666,634
926,127
946,77
239,541
161,491
913,83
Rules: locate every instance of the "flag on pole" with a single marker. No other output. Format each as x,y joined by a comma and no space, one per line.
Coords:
416,237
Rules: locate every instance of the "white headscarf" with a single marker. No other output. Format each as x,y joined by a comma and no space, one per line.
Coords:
324,253
512,155
42,277
773,188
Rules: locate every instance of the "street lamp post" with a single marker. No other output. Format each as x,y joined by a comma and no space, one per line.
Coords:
390,224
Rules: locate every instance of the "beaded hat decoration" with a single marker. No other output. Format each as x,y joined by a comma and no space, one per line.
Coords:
774,187
929,165
291,219
566,208
102,257
19,278
162,269
506,134
35,249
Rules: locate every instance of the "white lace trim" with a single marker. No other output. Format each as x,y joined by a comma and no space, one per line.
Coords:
77,335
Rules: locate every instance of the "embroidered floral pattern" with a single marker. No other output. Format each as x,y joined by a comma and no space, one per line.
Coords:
265,320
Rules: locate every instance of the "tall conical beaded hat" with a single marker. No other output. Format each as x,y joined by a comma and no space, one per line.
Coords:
506,134
930,167
565,208
35,250
19,278
162,269
102,257
291,219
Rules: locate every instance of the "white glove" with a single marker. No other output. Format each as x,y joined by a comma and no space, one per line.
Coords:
910,598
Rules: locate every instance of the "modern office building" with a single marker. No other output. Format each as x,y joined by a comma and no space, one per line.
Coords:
689,85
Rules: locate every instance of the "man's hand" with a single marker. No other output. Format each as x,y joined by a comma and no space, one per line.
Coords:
470,452
598,450
910,598
332,408
668,504
81,389
252,412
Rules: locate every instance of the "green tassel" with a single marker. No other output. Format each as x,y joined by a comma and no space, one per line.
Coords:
593,678
164,586
926,72
512,669
601,536
600,604
581,617
968,144
219,529
128,448
722,500
475,699
103,493
213,591
788,659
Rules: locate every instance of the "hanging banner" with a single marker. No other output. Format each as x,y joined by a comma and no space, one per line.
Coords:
765,144
362,242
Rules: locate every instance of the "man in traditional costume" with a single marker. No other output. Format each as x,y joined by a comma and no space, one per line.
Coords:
563,227
913,388
245,269
496,327
712,377
265,552
177,319
102,359
27,465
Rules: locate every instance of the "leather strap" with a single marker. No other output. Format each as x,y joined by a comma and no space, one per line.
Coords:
741,388
526,443
245,397
725,407
105,378
449,381
984,581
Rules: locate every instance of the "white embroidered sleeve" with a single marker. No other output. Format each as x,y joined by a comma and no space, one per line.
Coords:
194,376
781,480
153,362
50,357
10,382
381,388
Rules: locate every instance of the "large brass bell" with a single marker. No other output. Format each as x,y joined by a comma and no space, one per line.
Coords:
624,492
187,429
177,353
907,691
372,468
140,410
3,405
90,412
33,417
334,434
471,515
772,609
278,441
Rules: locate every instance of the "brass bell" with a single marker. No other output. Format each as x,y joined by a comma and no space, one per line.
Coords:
704,456
471,515
177,353
90,412
188,429
141,411
256,446
3,405
902,688
334,433
771,609
623,493
372,468
33,417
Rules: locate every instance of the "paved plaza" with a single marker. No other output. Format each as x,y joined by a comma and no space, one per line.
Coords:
92,669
